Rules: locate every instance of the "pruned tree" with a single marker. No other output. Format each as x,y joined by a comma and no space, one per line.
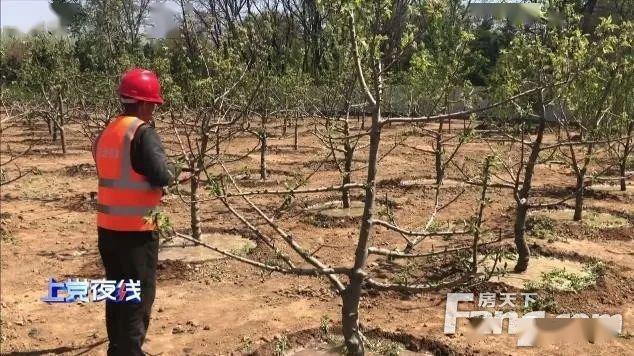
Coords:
439,77
48,74
584,106
620,133
368,20
535,59
238,70
205,130
10,119
338,132
226,189
621,149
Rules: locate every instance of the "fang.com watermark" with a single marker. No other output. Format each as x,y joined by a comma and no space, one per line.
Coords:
532,326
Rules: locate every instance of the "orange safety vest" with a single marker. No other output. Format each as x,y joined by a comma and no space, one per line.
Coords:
125,197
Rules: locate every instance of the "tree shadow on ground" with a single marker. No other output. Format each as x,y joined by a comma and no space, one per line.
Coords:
61,350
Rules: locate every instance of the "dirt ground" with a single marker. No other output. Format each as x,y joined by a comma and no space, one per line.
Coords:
225,307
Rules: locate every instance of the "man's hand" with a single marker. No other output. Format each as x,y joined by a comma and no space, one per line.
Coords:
175,170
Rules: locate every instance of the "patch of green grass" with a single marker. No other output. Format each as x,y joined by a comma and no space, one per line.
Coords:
245,171
567,280
542,227
384,347
561,280
384,212
247,344
337,341
6,236
281,345
295,181
595,269
324,325
435,226
81,169
275,261
404,274
602,220
244,250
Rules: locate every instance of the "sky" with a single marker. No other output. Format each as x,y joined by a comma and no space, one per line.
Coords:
26,14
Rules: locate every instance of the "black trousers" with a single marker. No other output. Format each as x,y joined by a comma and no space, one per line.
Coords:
129,255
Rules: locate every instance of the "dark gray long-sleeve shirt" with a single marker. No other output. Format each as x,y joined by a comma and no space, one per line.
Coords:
148,157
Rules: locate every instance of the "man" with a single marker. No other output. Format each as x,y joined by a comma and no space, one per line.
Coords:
132,170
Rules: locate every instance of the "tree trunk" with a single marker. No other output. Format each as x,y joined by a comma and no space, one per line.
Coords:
622,174
60,121
345,193
483,195
352,294
347,166
194,206
197,167
520,243
438,155
54,128
626,153
522,204
295,134
62,137
49,124
579,189
438,165
263,148
217,141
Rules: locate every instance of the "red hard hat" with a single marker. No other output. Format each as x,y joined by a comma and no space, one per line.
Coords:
141,84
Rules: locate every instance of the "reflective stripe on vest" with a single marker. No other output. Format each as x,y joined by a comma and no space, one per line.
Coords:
124,210
125,197
114,183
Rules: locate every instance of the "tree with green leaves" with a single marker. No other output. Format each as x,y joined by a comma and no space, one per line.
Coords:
50,73
368,24
620,133
552,57
586,103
